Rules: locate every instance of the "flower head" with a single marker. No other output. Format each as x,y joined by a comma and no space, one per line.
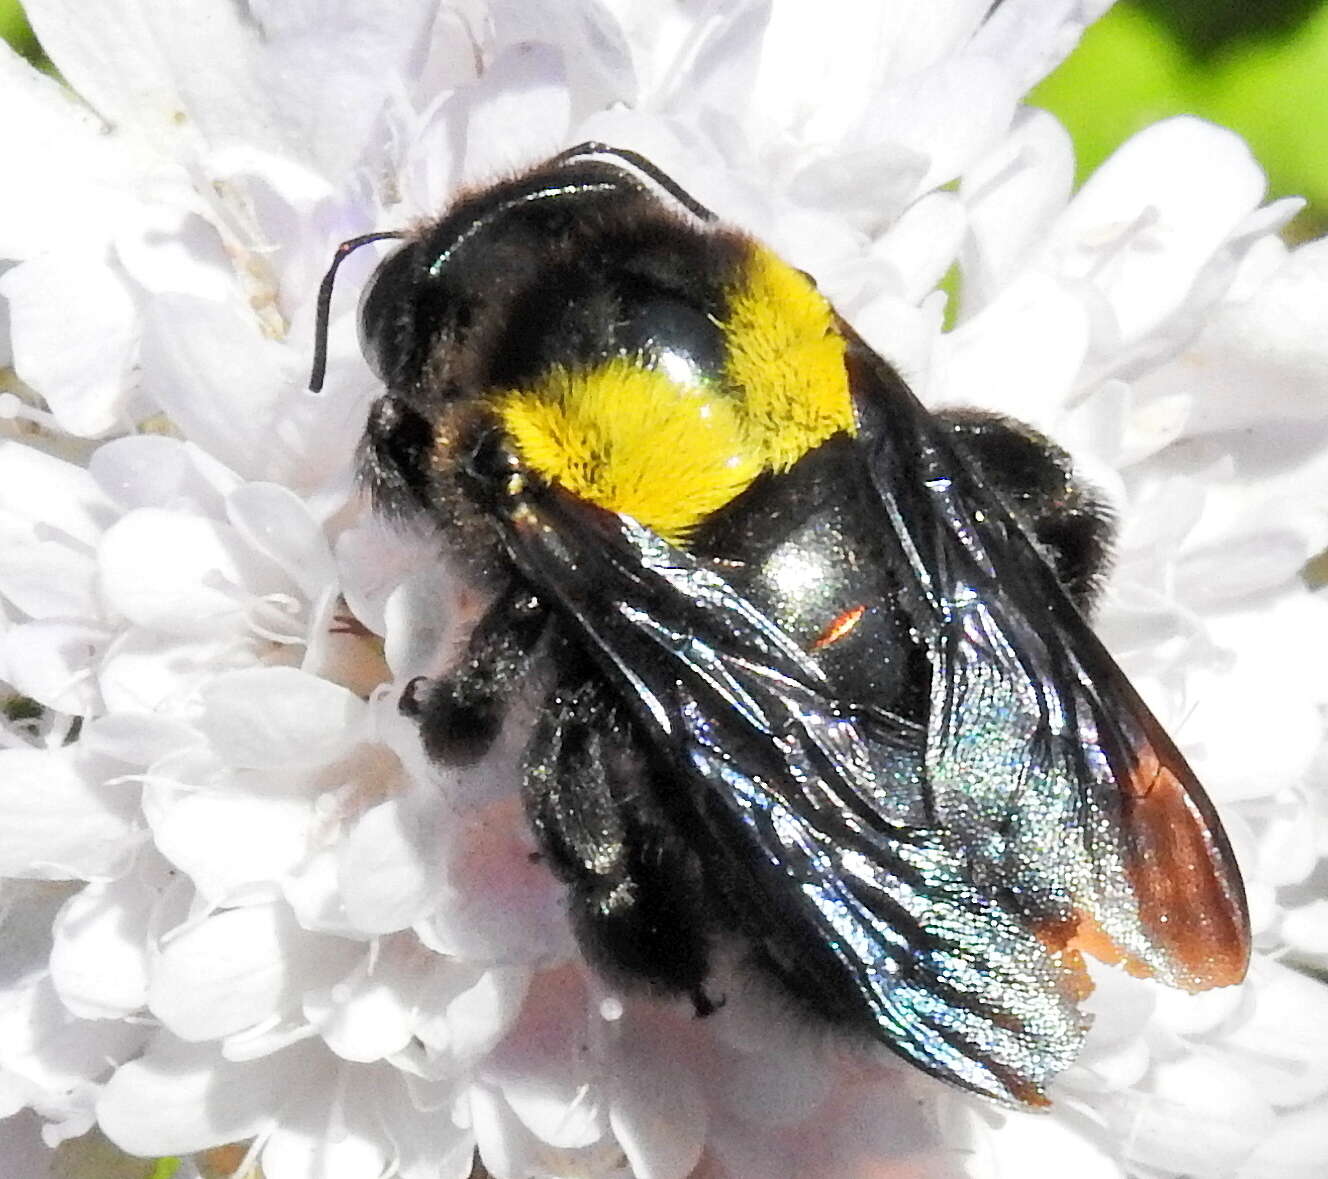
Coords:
239,904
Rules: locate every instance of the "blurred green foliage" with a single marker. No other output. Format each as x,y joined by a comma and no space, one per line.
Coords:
1266,80
14,29
1207,27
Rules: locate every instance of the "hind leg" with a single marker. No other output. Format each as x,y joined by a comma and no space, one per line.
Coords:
1036,479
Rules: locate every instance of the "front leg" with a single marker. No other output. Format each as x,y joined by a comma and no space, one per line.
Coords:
460,713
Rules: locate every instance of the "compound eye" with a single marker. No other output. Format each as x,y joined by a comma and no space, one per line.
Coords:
387,325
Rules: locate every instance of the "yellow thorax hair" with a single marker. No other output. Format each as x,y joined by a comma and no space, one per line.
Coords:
632,439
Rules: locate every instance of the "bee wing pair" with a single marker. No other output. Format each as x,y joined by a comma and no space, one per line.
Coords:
951,875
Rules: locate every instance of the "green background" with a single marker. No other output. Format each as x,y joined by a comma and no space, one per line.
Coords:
1257,66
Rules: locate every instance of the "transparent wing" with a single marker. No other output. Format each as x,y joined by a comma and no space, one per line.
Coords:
1041,757
807,793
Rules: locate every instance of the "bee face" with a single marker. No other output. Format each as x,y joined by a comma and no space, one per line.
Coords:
820,682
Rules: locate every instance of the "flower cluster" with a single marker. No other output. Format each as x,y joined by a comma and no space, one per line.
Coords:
237,903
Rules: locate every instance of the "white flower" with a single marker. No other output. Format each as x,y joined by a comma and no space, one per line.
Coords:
240,906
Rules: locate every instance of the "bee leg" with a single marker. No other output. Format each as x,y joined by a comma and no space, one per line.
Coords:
1036,480
461,713
636,894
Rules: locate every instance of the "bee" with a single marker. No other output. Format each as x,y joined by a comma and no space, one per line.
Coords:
818,681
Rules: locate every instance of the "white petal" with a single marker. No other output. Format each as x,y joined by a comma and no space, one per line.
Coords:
429,612
952,113
543,1069
40,489
278,524
137,739
673,60
1281,1045
1255,554
1305,928
502,905
312,892
843,56
224,974
230,972
1020,354
318,1140
327,72
47,578
371,1012
73,172
1288,847
57,821
1032,37
152,471
507,1148
54,1050
905,335
171,72
163,247
1152,216
1200,1117
519,111
1192,1015
210,368
1296,1148
143,672
1013,196
171,571
181,1097
99,962
752,1030
1039,1147
234,846
390,865
270,717
75,332
656,1111
1237,704
921,245
1274,339
52,663
373,558
482,1014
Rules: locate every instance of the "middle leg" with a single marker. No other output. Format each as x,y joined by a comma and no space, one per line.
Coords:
637,890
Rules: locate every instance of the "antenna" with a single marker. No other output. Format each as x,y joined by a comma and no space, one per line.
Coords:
343,251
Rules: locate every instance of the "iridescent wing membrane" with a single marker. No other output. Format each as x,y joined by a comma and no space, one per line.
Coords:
1041,756
933,883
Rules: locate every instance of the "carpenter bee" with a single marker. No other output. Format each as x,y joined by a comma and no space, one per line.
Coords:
819,680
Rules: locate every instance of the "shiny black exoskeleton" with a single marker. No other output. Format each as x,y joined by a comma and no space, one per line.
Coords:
856,725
